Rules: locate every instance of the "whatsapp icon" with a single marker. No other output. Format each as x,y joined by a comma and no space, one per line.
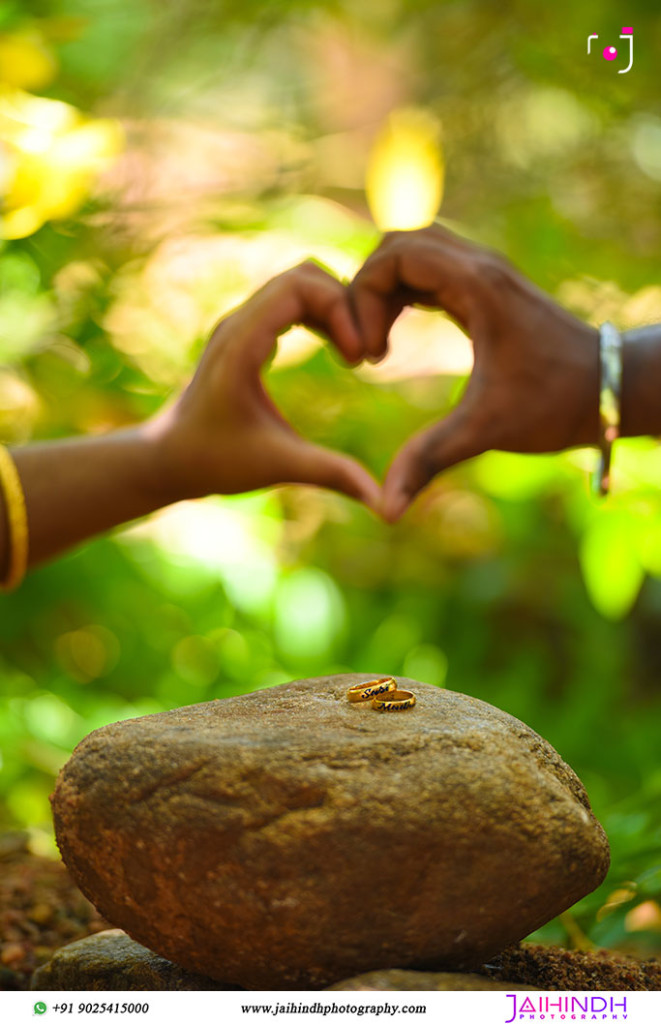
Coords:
40,1007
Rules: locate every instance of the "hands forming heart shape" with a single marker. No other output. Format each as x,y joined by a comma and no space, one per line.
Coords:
534,385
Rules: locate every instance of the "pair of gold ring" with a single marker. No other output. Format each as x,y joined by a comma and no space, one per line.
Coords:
383,693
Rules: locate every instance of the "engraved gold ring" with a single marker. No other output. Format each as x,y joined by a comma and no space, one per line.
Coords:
366,691
394,700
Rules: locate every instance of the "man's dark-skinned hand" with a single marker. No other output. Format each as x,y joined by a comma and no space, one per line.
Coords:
535,381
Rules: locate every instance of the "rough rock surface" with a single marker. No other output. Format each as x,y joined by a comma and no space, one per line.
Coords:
557,969
425,981
112,962
290,839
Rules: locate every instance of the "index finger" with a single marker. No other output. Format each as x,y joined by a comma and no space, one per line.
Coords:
306,295
431,266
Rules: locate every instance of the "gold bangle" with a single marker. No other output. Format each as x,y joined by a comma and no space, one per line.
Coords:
17,521
365,691
397,700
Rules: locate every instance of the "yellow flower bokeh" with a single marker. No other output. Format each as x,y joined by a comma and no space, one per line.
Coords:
26,61
50,157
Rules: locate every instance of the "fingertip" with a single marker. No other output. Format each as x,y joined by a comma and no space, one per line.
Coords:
395,505
370,320
355,360
377,357
341,473
347,336
370,494
404,480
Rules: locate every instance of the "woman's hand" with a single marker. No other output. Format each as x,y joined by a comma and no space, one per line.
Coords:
224,434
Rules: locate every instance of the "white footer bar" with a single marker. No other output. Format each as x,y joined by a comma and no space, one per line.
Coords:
513,1007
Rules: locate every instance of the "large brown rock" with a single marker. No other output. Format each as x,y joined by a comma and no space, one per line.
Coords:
290,839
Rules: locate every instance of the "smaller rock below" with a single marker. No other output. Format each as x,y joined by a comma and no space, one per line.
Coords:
424,981
112,962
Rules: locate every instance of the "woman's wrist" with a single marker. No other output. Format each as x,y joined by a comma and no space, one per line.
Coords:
173,458
80,487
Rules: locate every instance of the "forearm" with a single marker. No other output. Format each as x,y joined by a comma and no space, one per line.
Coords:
77,488
641,382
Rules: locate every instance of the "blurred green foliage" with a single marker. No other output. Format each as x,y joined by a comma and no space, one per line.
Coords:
246,133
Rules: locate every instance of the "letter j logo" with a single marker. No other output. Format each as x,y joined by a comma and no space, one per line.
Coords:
609,53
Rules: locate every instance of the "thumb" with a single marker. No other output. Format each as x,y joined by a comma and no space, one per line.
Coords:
430,452
312,464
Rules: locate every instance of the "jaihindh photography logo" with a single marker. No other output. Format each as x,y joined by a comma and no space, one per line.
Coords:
554,1008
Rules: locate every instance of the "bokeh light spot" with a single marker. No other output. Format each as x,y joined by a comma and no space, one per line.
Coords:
405,172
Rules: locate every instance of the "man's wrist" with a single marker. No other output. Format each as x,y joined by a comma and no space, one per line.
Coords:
640,406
